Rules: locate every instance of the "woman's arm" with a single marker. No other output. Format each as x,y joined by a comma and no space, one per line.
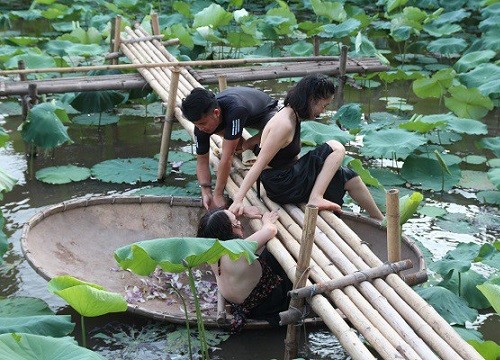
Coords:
268,230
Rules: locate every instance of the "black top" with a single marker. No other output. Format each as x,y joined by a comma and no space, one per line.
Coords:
240,107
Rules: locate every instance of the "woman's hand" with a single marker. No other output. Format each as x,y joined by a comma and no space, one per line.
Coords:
268,222
237,207
252,212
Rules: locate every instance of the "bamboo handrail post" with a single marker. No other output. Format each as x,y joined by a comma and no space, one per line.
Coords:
21,65
393,227
32,95
115,38
167,126
155,24
342,76
316,44
222,82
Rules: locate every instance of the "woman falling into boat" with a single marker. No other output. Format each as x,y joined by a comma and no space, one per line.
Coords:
258,290
317,178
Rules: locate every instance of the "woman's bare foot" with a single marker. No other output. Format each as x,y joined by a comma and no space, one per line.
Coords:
324,204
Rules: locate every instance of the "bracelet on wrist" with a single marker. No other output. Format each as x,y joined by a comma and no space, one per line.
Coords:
206,186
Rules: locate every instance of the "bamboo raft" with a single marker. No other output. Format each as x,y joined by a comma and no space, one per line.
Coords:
394,319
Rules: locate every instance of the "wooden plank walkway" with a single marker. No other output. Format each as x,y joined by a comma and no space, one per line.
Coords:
395,320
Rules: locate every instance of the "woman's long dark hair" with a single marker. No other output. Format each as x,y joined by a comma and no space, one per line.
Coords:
310,87
216,224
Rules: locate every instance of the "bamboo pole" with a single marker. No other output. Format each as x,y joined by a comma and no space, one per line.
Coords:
301,274
222,82
167,126
155,24
115,38
393,226
207,63
351,279
342,77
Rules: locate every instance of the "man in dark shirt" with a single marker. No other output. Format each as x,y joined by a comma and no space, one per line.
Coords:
225,114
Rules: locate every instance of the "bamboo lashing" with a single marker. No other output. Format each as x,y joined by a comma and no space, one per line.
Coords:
392,317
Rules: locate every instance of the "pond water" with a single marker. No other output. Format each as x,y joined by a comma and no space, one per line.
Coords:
139,136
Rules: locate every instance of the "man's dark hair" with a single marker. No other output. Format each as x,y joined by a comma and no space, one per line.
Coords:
310,87
216,224
198,103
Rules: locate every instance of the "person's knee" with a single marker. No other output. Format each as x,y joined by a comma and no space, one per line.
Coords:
336,146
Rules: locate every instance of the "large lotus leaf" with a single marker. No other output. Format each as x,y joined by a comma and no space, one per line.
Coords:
468,103
491,290
214,16
300,48
364,174
387,177
97,101
388,143
457,223
399,74
188,168
443,30
486,77
129,171
57,47
447,46
85,50
313,133
62,174
465,286
21,346
435,86
473,59
477,180
44,127
349,116
417,125
96,119
24,306
32,61
241,40
170,253
346,28
452,308
48,325
494,176
489,349
175,156
6,182
28,41
334,11
451,17
427,172
491,143
491,23
87,299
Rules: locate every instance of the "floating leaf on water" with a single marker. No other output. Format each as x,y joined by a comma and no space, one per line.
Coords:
489,197
98,119
389,143
181,135
476,180
475,159
62,174
432,211
10,108
457,223
494,176
129,171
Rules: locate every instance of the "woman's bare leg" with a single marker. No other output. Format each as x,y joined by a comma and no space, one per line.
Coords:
360,193
325,176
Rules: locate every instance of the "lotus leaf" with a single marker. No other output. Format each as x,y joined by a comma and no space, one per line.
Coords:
447,46
97,101
47,325
490,24
388,143
451,17
435,86
477,180
169,253
188,168
35,347
387,177
464,285
349,116
341,30
334,11
32,61
489,197
129,171
491,290
427,172
44,127
300,48
491,143
365,175
494,176
457,223
401,33
176,156
443,30
85,50
432,211
241,40
486,77
314,133
10,108
422,126
163,191
443,137
489,349
468,103
62,174
89,300
391,76
448,305
98,119
494,162
467,126
214,16
6,182
472,60
283,12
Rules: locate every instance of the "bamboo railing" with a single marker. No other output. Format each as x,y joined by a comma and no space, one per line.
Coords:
395,320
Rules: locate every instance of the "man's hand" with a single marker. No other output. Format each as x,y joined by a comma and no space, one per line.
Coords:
252,212
218,201
207,198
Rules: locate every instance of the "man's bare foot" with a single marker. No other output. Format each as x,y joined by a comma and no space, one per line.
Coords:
324,204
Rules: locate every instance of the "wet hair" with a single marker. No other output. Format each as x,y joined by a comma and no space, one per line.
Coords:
310,87
198,103
216,224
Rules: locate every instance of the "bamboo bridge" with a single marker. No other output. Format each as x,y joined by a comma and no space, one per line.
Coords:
395,321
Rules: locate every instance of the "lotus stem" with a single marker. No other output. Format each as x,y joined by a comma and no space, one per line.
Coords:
84,333
190,346
199,317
